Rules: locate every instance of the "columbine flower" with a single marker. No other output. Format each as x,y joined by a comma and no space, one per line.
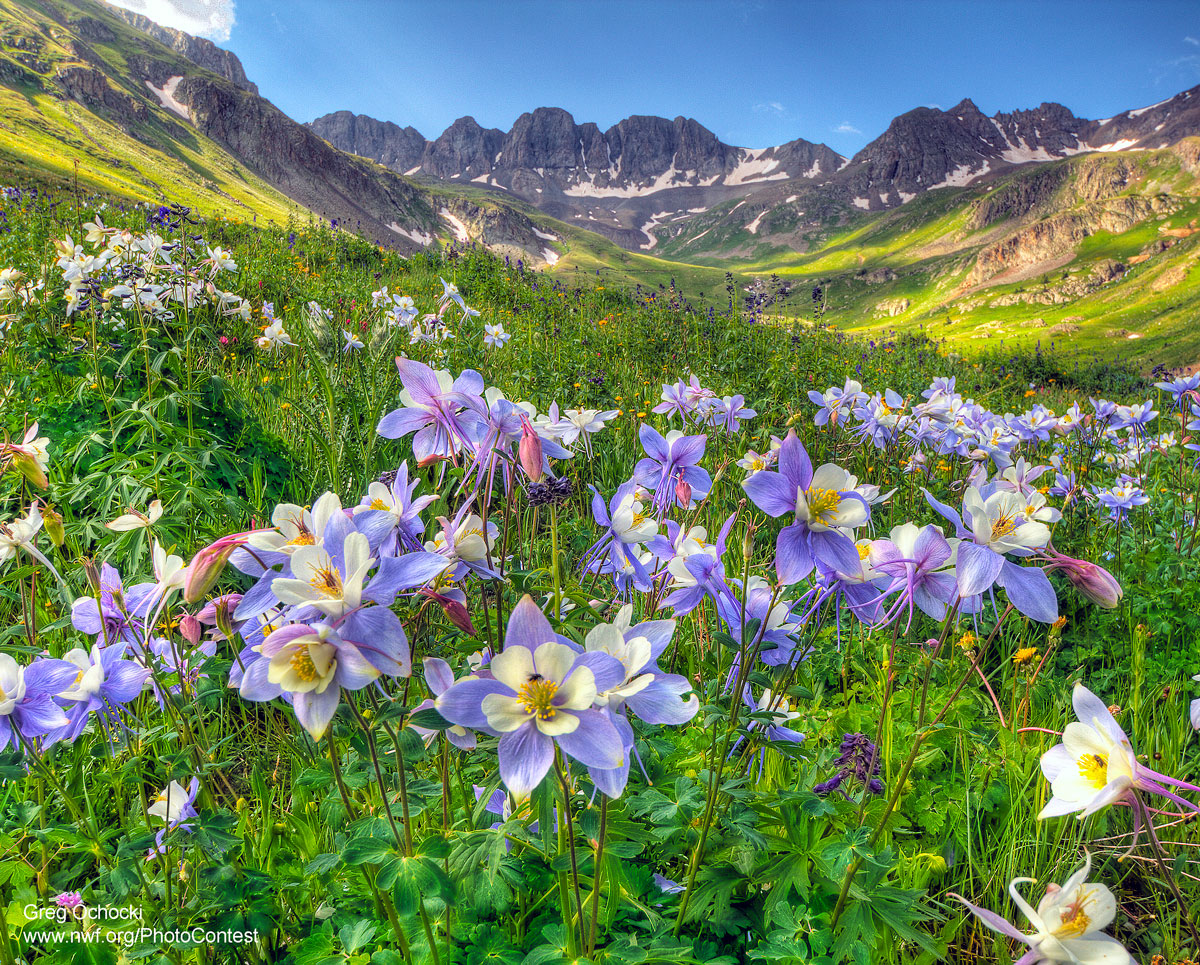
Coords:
431,407
274,336
993,525
669,461
825,509
27,707
135,519
1095,765
582,423
312,664
389,516
104,682
540,694
654,696
1068,923
353,344
1122,498
331,583
494,336
20,535
174,805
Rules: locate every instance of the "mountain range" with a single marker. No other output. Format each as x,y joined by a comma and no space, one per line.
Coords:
1023,226
646,176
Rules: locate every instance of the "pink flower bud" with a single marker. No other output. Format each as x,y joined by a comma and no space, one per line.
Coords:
208,564
1095,583
683,492
190,629
530,452
1091,580
455,612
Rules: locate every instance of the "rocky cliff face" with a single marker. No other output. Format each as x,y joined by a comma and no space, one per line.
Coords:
399,148
642,181
201,52
621,182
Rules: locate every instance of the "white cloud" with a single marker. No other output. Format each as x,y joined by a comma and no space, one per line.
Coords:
773,106
201,18
1191,40
846,128
936,107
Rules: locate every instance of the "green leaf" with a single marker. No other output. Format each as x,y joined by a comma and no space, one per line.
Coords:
354,936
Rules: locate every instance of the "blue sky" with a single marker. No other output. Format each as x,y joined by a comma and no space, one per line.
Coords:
756,73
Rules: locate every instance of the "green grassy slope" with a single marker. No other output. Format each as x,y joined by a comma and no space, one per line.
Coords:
123,149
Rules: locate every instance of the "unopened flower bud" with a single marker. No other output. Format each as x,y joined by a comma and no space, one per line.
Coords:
455,612
530,452
190,629
748,544
1094,582
52,522
92,574
683,492
27,466
208,564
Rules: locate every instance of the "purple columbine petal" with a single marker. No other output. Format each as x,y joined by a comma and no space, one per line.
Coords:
662,703
398,573
528,626
49,676
794,465
793,558
977,568
771,493
595,742
610,781
462,703
993,921
438,676
653,442
379,634
354,671
39,715
315,711
258,599
607,670
525,756
835,551
255,685
1030,591
400,422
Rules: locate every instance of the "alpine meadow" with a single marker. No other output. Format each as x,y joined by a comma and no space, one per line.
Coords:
577,545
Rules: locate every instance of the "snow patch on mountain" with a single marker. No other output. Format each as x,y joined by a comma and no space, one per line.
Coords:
459,229
166,97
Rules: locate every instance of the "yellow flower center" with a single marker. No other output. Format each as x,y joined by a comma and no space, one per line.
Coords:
537,698
822,504
302,664
327,581
378,504
864,551
1003,526
1094,769
303,538
1075,920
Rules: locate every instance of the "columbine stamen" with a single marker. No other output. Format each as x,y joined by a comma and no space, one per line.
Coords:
537,698
327,581
822,504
